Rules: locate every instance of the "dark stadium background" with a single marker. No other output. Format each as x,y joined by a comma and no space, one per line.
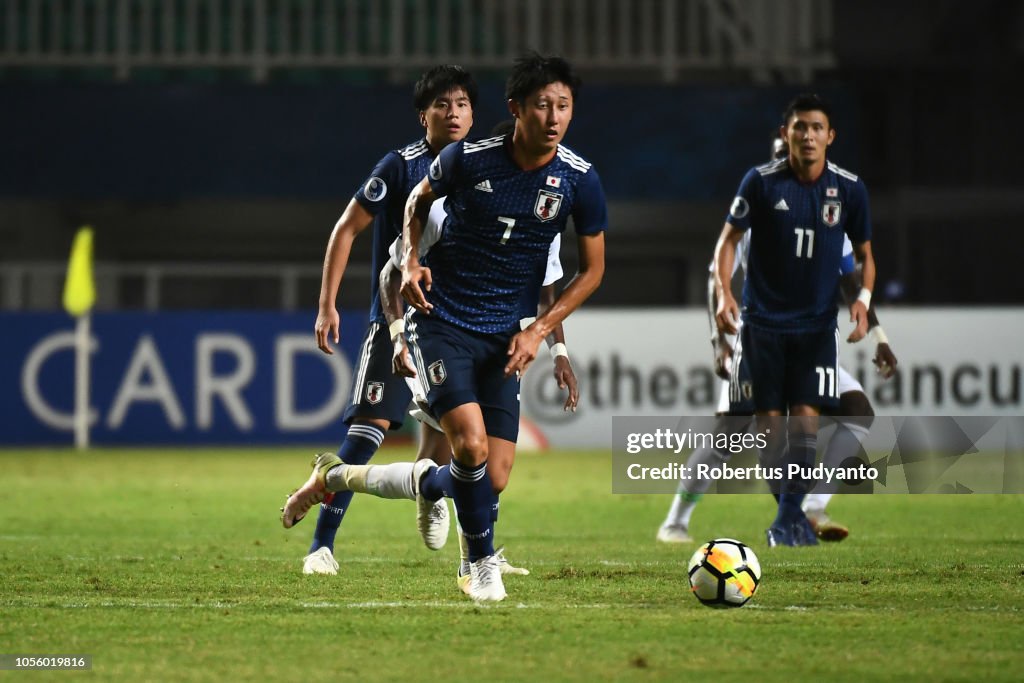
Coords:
193,165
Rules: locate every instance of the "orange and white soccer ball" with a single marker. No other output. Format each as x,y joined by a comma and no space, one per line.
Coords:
724,573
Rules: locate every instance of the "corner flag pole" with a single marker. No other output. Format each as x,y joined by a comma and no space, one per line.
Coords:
79,297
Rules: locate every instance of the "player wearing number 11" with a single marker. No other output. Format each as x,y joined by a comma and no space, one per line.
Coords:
797,210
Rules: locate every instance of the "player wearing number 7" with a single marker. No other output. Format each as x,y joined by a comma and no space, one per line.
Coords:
797,210
508,197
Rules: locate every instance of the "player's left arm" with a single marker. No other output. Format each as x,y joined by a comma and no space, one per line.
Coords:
858,229
564,374
523,348
590,220
885,359
859,308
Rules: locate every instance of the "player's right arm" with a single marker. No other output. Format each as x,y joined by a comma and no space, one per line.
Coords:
416,280
391,284
719,342
353,221
368,201
727,312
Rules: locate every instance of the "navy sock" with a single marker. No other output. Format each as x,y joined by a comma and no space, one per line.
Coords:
495,504
802,449
361,442
437,483
474,497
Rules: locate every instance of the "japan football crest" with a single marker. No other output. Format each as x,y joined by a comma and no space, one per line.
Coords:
437,372
374,392
830,211
547,205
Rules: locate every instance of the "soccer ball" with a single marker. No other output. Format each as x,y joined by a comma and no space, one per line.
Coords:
724,573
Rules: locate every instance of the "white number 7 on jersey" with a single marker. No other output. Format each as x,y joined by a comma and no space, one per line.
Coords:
511,223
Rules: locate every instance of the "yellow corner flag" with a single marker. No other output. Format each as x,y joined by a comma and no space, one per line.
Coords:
79,288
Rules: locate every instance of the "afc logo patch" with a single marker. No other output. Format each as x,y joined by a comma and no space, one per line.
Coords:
830,212
374,392
375,190
740,207
435,169
437,372
547,205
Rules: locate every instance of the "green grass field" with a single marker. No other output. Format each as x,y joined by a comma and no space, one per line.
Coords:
172,565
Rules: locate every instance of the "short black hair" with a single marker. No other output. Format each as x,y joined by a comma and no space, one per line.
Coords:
808,102
440,80
533,71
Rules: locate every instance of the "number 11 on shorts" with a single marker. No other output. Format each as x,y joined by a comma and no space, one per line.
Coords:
824,374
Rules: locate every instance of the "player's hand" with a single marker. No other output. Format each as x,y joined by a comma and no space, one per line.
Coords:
727,315
566,378
416,280
327,328
401,360
522,351
885,361
858,315
723,356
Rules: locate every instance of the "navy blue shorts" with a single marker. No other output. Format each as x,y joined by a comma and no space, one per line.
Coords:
792,368
456,366
377,393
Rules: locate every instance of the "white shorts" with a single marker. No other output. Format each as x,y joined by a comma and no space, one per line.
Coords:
420,410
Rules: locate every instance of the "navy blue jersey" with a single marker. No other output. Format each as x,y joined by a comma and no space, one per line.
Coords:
501,221
796,243
383,195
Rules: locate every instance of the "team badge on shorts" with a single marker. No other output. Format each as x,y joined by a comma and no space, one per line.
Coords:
437,372
374,392
747,390
830,211
547,205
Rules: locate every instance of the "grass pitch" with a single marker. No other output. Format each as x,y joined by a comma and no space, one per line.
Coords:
172,565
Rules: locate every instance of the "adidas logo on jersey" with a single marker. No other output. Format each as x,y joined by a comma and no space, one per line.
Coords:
782,205
484,186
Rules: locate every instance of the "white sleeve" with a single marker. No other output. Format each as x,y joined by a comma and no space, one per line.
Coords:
431,233
553,273
742,251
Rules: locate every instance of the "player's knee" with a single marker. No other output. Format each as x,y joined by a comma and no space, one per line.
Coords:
855,404
470,448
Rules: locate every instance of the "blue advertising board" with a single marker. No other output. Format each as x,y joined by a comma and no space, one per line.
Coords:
177,377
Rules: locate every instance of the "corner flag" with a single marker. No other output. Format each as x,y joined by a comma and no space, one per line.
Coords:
79,288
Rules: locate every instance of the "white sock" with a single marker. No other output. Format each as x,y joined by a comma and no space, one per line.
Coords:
845,443
690,490
391,481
